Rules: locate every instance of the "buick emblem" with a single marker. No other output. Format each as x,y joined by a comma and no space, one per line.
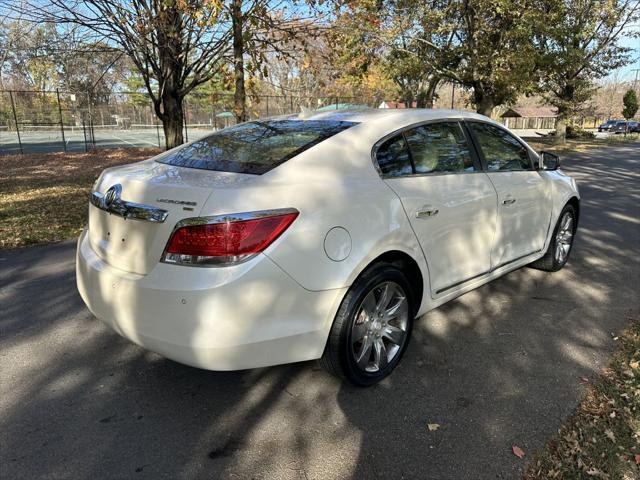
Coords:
111,196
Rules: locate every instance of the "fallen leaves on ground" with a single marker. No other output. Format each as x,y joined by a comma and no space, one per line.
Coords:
44,197
433,426
517,451
602,438
610,435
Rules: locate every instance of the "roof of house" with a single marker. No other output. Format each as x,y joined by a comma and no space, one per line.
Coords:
530,112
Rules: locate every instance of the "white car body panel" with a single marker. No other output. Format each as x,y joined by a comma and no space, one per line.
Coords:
231,318
146,182
457,239
279,306
522,225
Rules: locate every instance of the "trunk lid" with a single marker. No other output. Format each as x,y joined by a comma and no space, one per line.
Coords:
136,245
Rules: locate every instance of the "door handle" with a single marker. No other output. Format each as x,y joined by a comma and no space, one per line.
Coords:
426,212
508,201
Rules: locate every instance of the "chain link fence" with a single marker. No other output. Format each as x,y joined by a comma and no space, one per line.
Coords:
50,121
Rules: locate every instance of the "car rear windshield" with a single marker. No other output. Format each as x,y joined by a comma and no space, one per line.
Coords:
254,147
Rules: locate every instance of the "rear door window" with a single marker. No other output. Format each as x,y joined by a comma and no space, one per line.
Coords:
439,148
254,147
393,157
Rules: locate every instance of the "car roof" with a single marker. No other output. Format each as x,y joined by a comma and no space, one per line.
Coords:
377,114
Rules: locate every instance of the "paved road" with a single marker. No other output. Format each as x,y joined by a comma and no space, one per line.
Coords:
498,367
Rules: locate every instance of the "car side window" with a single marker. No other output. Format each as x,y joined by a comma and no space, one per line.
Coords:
393,157
502,151
439,147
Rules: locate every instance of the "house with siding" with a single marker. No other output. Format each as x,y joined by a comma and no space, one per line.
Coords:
530,118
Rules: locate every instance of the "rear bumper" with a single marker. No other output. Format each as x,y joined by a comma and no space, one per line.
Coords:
245,316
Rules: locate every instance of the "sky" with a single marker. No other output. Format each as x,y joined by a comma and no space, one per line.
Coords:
627,72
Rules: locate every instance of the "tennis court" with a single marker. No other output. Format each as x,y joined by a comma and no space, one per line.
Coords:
78,139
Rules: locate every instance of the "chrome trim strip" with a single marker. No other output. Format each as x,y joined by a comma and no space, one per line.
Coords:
111,203
419,123
233,217
488,272
442,290
463,121
503,264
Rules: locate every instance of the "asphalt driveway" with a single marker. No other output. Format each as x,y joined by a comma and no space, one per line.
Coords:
500,366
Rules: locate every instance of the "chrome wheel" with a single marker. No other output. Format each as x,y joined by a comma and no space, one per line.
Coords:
564,238
380,327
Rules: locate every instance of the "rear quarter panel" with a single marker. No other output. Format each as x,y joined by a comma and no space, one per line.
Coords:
333,184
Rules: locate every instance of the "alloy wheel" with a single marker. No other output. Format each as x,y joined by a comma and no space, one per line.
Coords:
380,327
564,238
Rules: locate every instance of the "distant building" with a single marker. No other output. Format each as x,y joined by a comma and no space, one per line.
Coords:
530,117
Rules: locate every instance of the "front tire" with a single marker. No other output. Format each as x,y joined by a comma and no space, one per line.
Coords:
557,253
372,328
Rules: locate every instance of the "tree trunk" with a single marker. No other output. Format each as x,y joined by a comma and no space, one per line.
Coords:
484,103
430,94
408,99
172,119
560,136
170,52
239,96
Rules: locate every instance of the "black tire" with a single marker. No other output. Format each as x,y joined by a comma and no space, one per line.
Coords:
550,262
339,357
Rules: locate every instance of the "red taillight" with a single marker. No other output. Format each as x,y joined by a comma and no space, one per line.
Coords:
226,241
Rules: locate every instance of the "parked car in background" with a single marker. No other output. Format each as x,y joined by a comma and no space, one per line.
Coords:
317,236
608,125
633,126
622,127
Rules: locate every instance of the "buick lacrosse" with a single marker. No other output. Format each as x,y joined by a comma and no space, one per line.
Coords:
318,236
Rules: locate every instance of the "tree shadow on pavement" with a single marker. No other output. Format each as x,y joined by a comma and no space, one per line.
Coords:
500,366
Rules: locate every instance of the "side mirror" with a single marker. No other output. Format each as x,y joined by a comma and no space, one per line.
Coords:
549,161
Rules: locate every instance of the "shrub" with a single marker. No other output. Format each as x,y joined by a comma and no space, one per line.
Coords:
576,133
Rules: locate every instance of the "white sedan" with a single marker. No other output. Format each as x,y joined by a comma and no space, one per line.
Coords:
317,236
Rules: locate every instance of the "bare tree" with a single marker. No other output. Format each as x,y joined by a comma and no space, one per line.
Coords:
239,97
176,46
261,28
181,44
